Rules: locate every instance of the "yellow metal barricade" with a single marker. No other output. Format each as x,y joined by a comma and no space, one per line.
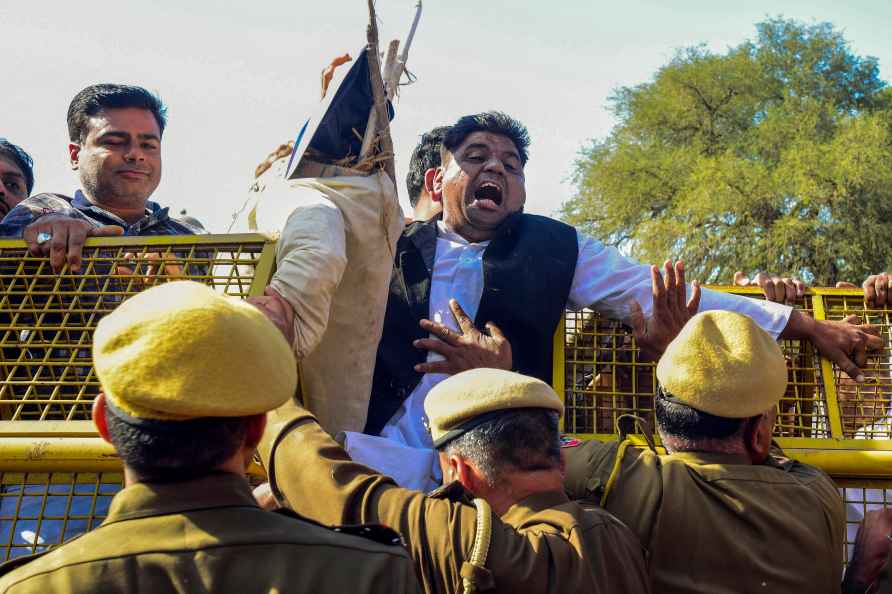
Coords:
57,476
824,419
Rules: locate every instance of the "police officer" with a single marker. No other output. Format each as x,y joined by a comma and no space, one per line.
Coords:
500,523
188,376
723,511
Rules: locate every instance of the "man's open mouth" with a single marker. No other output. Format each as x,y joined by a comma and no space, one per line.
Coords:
488,196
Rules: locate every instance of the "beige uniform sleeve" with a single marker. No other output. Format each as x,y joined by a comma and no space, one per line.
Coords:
315,476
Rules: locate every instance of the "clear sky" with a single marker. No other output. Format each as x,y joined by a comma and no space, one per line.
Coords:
237,76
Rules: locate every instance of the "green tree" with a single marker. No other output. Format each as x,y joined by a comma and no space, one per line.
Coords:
775,155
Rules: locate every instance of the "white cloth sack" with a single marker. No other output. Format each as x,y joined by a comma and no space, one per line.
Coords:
334,258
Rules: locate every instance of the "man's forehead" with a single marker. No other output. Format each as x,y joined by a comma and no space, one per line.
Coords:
491,140
7,167
133,120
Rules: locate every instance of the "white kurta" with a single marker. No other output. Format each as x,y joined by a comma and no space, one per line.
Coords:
604,279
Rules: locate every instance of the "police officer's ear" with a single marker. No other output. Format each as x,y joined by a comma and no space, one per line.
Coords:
757,436
256,425
99,417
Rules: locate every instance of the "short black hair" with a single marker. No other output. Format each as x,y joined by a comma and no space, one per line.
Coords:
425,156
23,160
175,450
524,439
96,98
495,122
683,422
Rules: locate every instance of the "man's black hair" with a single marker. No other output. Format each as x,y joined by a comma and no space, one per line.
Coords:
173,451
23,161
683,422
524,439
96,98
495,122
425,156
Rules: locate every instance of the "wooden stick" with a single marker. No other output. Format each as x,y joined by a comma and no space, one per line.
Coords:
392,69
371,124
379,107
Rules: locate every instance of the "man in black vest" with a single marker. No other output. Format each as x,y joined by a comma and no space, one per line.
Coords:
514,274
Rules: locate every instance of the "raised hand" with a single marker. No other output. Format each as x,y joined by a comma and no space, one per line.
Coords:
671,310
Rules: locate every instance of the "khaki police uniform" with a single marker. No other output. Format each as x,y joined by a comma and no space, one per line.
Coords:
544,543
714,523
167,356
208,535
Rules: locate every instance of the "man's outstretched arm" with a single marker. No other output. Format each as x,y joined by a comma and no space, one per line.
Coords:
608,281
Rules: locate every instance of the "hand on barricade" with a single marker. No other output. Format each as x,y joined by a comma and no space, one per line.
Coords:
878,289
872,548
62,238
470,349
845,342
277,310
775,288
150,267
671,310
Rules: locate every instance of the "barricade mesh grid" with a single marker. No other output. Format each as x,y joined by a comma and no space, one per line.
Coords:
864,408
605,378
861,497
47,319
39,510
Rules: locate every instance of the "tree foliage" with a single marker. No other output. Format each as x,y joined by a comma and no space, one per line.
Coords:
775,155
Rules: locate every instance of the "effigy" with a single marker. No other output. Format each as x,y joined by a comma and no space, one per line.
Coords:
332,203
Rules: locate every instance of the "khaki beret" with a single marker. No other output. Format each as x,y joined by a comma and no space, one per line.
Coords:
461,402
724,364
181,351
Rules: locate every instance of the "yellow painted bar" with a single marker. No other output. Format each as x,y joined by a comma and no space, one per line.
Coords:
66,454
558,358
33,429
847,463
51,454
817,303
263,272
160,240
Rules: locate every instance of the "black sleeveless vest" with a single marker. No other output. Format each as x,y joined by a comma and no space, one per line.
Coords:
527,273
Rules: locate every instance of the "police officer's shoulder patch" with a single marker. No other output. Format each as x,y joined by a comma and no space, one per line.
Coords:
569,442
375,532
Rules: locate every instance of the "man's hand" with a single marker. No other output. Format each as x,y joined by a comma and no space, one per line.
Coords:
878,289
845,342
471,349
670,312
278,310
872,547
775,288
67,239
154,265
